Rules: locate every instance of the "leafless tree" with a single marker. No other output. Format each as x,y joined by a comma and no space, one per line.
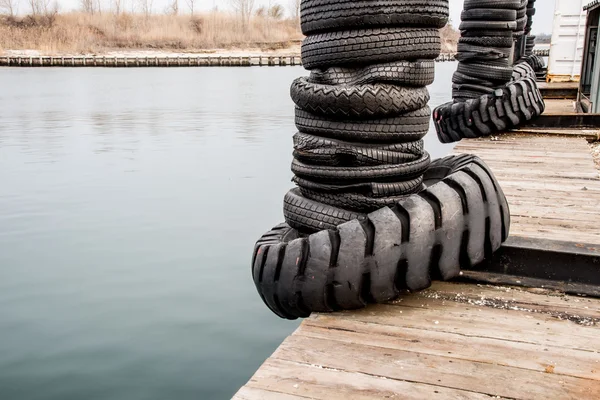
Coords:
244,9
88,6
146,7
295,8
191,5
173,7
10,7
117,6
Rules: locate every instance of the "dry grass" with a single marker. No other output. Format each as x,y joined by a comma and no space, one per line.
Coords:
84,33
80,33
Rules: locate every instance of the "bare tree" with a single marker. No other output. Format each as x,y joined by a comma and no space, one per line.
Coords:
10,7
295,9
117,6
88,6
173,7
244,9
191,5
146,7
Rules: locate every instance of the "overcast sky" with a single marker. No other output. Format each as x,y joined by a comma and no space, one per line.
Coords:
542,22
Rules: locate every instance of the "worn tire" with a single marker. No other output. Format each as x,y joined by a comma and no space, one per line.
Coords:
461,78
375,173
460,219
332,15
487,25
368,189
506,4
486,71
407,127
369,46
403,73
522,70
481,14
515,103
357,101
505,42
324,151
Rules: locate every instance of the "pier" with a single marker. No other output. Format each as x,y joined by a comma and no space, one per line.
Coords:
523,325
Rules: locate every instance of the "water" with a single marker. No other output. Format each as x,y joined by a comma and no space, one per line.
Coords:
130,200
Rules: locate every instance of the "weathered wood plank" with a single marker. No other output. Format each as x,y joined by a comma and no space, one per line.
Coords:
581,364
540,299
316,382
516,383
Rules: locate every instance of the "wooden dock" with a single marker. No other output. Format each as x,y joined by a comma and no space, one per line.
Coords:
463,340
194,60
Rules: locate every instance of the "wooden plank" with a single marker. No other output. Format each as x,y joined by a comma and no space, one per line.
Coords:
318,382
474,321
448,372
581,364
251,393
540,299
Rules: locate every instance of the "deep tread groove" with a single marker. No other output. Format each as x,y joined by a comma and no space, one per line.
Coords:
461,193
263,262
464,259
334,238
304,257
330,300
404,217
365,289
435,204
476,179
400,275
487,247
369,228
436,255
280,258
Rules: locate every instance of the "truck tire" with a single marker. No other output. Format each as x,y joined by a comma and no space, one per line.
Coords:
461,218
333,15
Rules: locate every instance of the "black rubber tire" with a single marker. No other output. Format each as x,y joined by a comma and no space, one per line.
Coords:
488,41
485,55
486,71
332,15
369,189
403,73
506,4
312,149
487,25
486,32
374,173
459,220
472,88
486,14
369,46
515,103
357,101
461,78
521,22
494,52
309,216
522,70
356,201
407,127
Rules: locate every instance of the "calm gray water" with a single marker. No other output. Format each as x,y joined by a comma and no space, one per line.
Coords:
130,200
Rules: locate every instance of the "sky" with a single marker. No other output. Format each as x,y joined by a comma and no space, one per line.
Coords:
542,22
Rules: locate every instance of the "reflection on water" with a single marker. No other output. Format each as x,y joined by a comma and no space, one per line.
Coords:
130,201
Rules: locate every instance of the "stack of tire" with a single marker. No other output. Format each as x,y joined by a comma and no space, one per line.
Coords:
536,62
362,112
487,99
372,216
484,47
